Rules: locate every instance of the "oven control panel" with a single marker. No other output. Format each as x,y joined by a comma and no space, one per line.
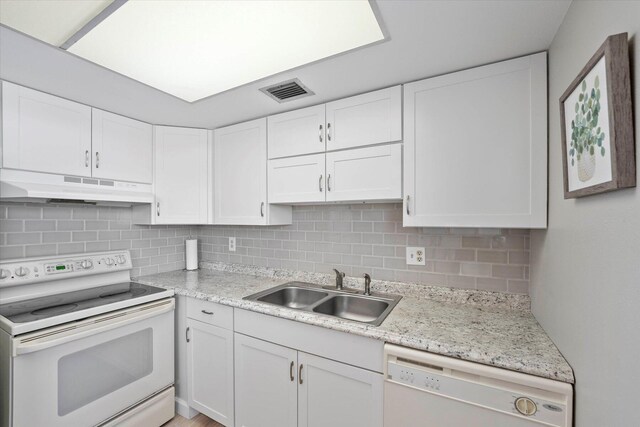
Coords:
32,270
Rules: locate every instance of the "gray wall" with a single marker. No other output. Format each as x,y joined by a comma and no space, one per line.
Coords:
586,267
43,230
370,238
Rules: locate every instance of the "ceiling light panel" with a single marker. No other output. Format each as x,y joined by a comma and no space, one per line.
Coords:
52,21
195,49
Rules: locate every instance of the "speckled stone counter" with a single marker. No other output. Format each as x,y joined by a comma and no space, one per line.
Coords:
489,328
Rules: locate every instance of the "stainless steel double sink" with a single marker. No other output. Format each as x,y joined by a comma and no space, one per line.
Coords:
345,304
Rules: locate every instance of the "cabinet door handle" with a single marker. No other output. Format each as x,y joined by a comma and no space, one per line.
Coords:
97,160
329,182
210,313
320,183
86,158
300,373
186,334
157,208
408,211
291,371
328,131
262,209
320,133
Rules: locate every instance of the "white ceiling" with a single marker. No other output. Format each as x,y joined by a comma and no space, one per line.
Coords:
427,38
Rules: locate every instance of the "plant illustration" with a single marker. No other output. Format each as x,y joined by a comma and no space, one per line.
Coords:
586,135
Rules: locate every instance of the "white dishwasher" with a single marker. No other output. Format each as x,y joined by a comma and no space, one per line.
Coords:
424,390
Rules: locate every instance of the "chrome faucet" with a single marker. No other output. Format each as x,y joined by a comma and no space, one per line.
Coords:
367,284
339,276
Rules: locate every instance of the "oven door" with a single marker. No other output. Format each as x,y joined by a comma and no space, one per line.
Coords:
83,373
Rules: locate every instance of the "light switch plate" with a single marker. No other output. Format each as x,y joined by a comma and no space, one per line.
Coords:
415,256
232,244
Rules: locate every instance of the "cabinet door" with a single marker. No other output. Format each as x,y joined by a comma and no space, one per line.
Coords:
337,395
297,132
44,133
210,371
181,160
122,148
371,118
371,173
266,384
240,170
297,179
476,147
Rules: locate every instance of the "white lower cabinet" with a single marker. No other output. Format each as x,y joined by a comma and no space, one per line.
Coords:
266,387
277,386
336,394
210,369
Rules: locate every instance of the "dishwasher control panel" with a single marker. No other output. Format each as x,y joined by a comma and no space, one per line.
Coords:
514,399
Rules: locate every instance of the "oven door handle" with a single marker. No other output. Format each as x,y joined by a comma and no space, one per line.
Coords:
62,334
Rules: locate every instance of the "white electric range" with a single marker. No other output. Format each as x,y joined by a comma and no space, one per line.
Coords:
82,345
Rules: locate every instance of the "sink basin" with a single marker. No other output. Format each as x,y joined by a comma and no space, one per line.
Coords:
358,308
346,304
293,297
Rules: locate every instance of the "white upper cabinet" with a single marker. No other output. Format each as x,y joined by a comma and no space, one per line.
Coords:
298,179
240,177
122,148
371,118
370,173
297,132
476,147
44,133
181,178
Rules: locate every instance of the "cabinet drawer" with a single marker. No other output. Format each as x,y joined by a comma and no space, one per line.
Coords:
210,312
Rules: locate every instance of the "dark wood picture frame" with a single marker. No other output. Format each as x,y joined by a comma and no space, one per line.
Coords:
621,138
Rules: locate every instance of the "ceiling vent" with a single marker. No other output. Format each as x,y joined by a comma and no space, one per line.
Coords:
287,91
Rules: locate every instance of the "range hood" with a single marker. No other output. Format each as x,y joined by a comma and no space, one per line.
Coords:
27,186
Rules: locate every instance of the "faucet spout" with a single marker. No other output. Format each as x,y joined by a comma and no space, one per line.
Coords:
367,284
339,276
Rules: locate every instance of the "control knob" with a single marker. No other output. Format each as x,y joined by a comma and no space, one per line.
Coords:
4,274
120,259
86,264
110,262
22,271
526,406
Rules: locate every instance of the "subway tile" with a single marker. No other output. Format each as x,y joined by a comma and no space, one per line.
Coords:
70,225
40,225
108,235
70,248
491,284
96,225
10,252
116,245
23,238
464,282
476,242
508,271
56,212
518,286
24,212
84,213
83,236
11,225
40,250
496,257
56,237
97,246
475,269
519,257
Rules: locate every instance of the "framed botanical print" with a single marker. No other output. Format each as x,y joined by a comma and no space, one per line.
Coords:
596,119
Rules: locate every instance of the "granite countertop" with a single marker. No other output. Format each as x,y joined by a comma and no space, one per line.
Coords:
492,329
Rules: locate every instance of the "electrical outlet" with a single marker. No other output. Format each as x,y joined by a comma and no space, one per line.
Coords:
232,244
415,256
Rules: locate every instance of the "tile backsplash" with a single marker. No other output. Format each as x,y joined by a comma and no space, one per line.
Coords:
357,239
43,230
370,238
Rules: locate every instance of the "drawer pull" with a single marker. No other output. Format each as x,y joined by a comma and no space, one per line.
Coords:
187,334
291,371
210,313
300,373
